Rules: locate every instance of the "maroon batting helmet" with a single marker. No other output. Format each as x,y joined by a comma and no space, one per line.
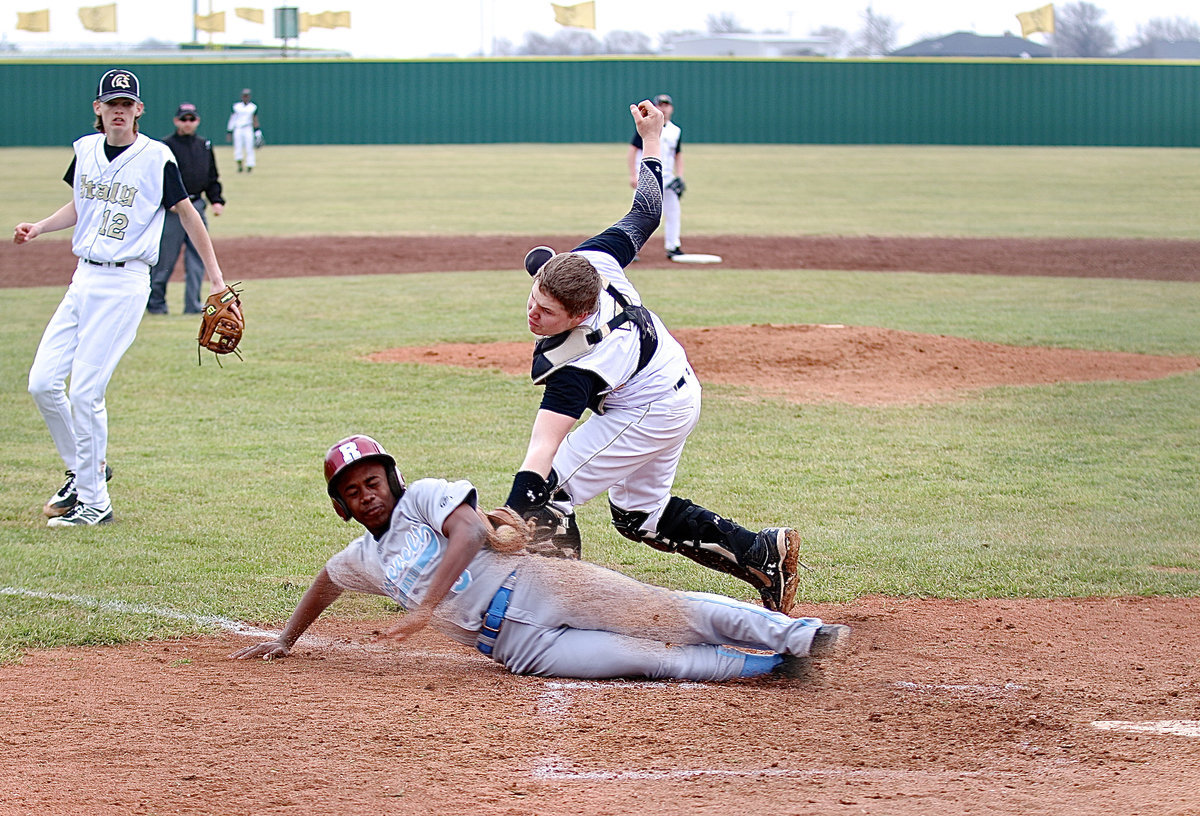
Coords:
349,451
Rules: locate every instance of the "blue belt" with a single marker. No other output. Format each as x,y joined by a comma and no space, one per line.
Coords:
493,619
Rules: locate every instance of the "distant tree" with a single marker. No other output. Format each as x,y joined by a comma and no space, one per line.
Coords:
725,23
839,40
503,47
567,42
627,42
1171,29
876,37
1080,31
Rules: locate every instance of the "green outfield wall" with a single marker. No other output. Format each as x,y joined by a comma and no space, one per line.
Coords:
800,101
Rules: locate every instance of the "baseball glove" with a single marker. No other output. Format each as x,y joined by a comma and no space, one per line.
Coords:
258,139
677,186
221,323
510,533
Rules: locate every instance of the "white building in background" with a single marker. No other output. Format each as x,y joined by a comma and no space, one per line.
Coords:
747,45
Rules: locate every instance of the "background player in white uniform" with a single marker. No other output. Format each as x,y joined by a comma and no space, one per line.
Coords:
672,173
644,399
122,184
425,548
243,131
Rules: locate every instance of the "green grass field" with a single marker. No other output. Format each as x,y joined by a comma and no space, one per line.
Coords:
1069,490
743,189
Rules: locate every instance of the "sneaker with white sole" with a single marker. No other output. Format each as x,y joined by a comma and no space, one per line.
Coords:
83,515
67,496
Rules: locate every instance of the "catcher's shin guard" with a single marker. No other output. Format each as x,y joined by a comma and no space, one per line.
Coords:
711,541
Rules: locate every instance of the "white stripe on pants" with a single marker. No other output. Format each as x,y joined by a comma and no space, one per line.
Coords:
92,328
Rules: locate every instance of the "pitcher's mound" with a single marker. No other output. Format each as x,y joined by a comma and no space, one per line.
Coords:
857,364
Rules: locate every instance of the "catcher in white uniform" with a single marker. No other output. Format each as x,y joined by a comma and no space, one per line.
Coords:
123,183
602,350
671,148
427,547
243,130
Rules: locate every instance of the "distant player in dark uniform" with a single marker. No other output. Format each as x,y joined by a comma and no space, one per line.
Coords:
198,166
602,350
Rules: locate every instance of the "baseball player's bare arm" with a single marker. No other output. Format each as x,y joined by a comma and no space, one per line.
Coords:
316,600
466,534
549,430
631,160
63,218
194,226
649,121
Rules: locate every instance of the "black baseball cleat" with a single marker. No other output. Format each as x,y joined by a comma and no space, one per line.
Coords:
83,515
67,496
671,253
536,258
773,561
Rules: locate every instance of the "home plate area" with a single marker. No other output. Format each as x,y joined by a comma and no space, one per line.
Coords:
996,706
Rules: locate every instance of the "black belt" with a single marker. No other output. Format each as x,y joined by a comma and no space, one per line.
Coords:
682,382
103,263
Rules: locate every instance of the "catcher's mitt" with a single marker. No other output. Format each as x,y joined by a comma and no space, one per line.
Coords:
221,323
677,186
258,139
510,533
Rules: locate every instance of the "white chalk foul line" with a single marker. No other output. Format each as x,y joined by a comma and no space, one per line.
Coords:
553,769
211,621
1178,728
215,622
961,689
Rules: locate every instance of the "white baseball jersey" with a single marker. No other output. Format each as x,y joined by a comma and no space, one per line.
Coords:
671,134
616,357
669,146
118,204
242,116
551,622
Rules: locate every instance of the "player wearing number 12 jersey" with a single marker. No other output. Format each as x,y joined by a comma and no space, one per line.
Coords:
122,183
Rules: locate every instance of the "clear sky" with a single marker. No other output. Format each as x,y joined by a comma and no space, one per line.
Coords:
392,28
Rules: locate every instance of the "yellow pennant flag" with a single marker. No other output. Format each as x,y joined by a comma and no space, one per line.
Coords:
211,22
33,20
253,15
1037,21
326,19
580,15
99,18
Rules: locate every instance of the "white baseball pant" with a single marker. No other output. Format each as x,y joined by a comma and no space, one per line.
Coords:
92,328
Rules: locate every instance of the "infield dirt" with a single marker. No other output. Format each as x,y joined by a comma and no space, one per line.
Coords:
948,707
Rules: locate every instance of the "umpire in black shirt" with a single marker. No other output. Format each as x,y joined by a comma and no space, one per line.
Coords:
198,166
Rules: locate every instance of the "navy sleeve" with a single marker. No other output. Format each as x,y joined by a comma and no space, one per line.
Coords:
173,189
69,176
636,141
569,391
